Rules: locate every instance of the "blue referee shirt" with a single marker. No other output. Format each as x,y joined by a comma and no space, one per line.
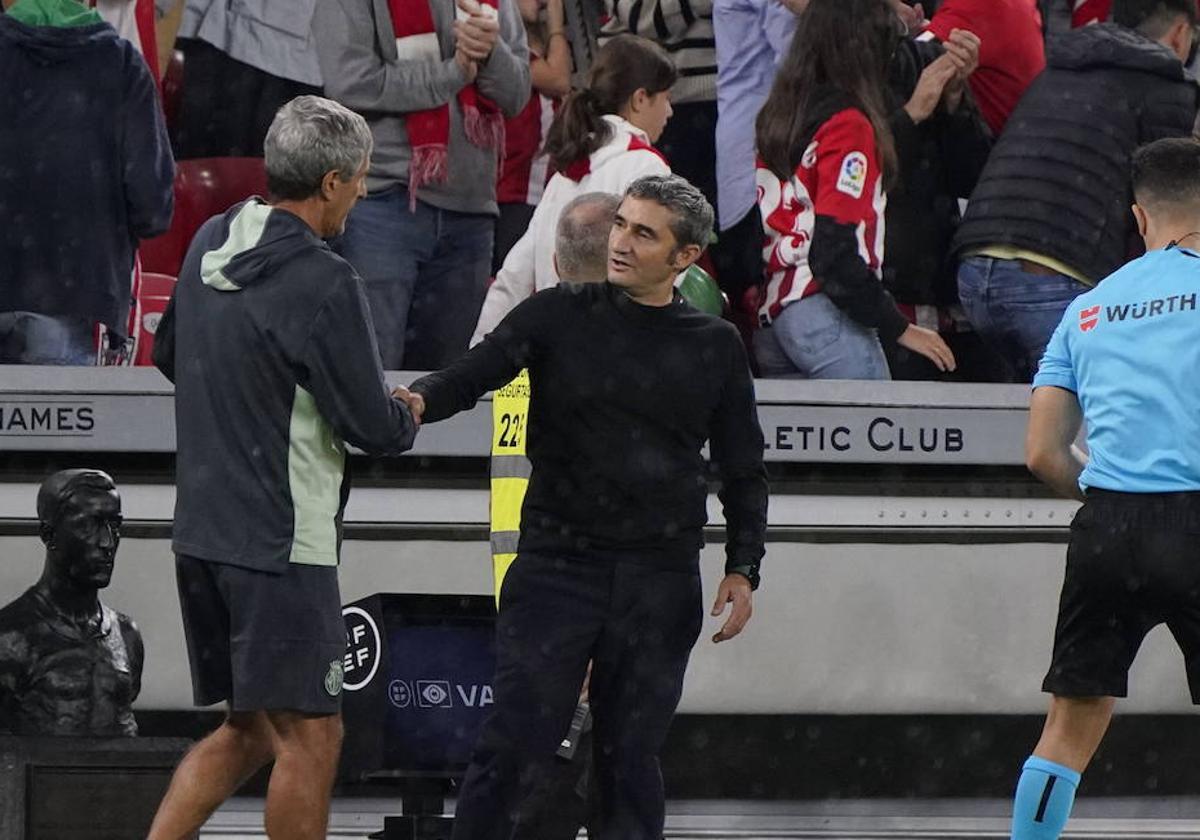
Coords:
1130,350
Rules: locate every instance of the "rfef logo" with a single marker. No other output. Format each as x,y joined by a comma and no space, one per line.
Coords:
362,648
1089,318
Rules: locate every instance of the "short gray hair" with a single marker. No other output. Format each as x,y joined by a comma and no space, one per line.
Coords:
581,239
309,137
693,222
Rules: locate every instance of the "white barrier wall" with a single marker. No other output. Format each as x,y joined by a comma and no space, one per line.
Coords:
837,628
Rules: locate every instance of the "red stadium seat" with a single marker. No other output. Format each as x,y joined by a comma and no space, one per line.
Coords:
172,90
153,295
204,187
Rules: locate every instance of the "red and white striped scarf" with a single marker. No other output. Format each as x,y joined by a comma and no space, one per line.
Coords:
429,130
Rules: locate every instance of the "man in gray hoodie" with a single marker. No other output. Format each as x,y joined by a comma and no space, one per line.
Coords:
422,238
275,365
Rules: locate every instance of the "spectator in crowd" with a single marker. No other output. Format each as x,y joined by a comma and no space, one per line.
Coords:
242,61
435,92
526,166
274,361
581,240
752,37
1011,52
824,148
1050,217
942,145
685,29
600,141
82,97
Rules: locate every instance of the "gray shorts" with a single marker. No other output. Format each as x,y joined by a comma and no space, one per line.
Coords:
260,640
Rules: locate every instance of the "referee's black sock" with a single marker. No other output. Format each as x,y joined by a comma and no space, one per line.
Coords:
1045,794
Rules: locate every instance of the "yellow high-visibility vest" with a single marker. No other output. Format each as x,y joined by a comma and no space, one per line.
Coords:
510,472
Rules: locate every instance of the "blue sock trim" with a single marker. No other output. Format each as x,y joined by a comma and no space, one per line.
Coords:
1064,773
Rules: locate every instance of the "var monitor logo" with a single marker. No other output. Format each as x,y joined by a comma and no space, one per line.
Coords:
438,694
1089,318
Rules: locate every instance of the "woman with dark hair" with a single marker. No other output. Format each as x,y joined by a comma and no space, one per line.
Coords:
600,141
825,154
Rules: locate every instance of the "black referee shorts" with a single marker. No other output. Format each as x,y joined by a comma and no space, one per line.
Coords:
263,641
1133,563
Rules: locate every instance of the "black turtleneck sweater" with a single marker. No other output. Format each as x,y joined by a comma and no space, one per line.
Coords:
624,397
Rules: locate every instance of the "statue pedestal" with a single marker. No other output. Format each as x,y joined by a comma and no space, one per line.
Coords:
77,788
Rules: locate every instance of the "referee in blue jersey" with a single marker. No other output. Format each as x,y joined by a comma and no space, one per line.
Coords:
1125,360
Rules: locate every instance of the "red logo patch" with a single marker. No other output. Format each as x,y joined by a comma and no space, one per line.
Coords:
1089,318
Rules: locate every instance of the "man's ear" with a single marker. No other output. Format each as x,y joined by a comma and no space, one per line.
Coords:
1178,38
685,256
1143,221
46,532
329,184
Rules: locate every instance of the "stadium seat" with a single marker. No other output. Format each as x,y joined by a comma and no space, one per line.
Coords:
172,91
204,187
153,295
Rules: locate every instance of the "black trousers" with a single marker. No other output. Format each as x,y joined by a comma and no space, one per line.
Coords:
637,625
227,106
689,143
511,225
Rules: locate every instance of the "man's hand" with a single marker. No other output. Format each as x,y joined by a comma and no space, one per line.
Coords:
469,68
963,49
476,34
930,86
913,16
930,345
414,401
734,589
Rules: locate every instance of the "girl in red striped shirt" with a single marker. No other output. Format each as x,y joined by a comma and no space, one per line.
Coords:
825,150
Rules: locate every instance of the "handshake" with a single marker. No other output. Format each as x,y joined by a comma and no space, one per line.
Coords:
415,402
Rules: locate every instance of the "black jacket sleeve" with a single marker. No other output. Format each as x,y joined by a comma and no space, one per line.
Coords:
849,283
491,363
736,448
342,370
163,351
148,169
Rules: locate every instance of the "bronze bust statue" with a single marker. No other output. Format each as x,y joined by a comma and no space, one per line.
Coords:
68,664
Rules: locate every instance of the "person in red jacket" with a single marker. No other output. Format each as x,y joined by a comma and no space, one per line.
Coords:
1011,52
825,149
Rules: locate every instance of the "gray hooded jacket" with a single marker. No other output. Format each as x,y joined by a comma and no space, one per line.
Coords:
268,340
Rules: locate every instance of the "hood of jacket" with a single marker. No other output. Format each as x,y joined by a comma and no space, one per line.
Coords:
55,43
1107,45
256,240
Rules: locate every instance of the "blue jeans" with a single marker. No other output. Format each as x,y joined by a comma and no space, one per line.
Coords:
27,338
814,339
426,272
1015,312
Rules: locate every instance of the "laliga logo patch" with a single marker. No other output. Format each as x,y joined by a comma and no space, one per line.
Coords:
1089,318
853,178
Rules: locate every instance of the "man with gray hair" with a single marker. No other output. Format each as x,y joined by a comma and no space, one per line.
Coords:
269,343
581,237
613,519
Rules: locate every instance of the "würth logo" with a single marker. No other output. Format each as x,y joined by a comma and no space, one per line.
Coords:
1089,318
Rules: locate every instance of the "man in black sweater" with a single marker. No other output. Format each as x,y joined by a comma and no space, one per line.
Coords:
628,382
